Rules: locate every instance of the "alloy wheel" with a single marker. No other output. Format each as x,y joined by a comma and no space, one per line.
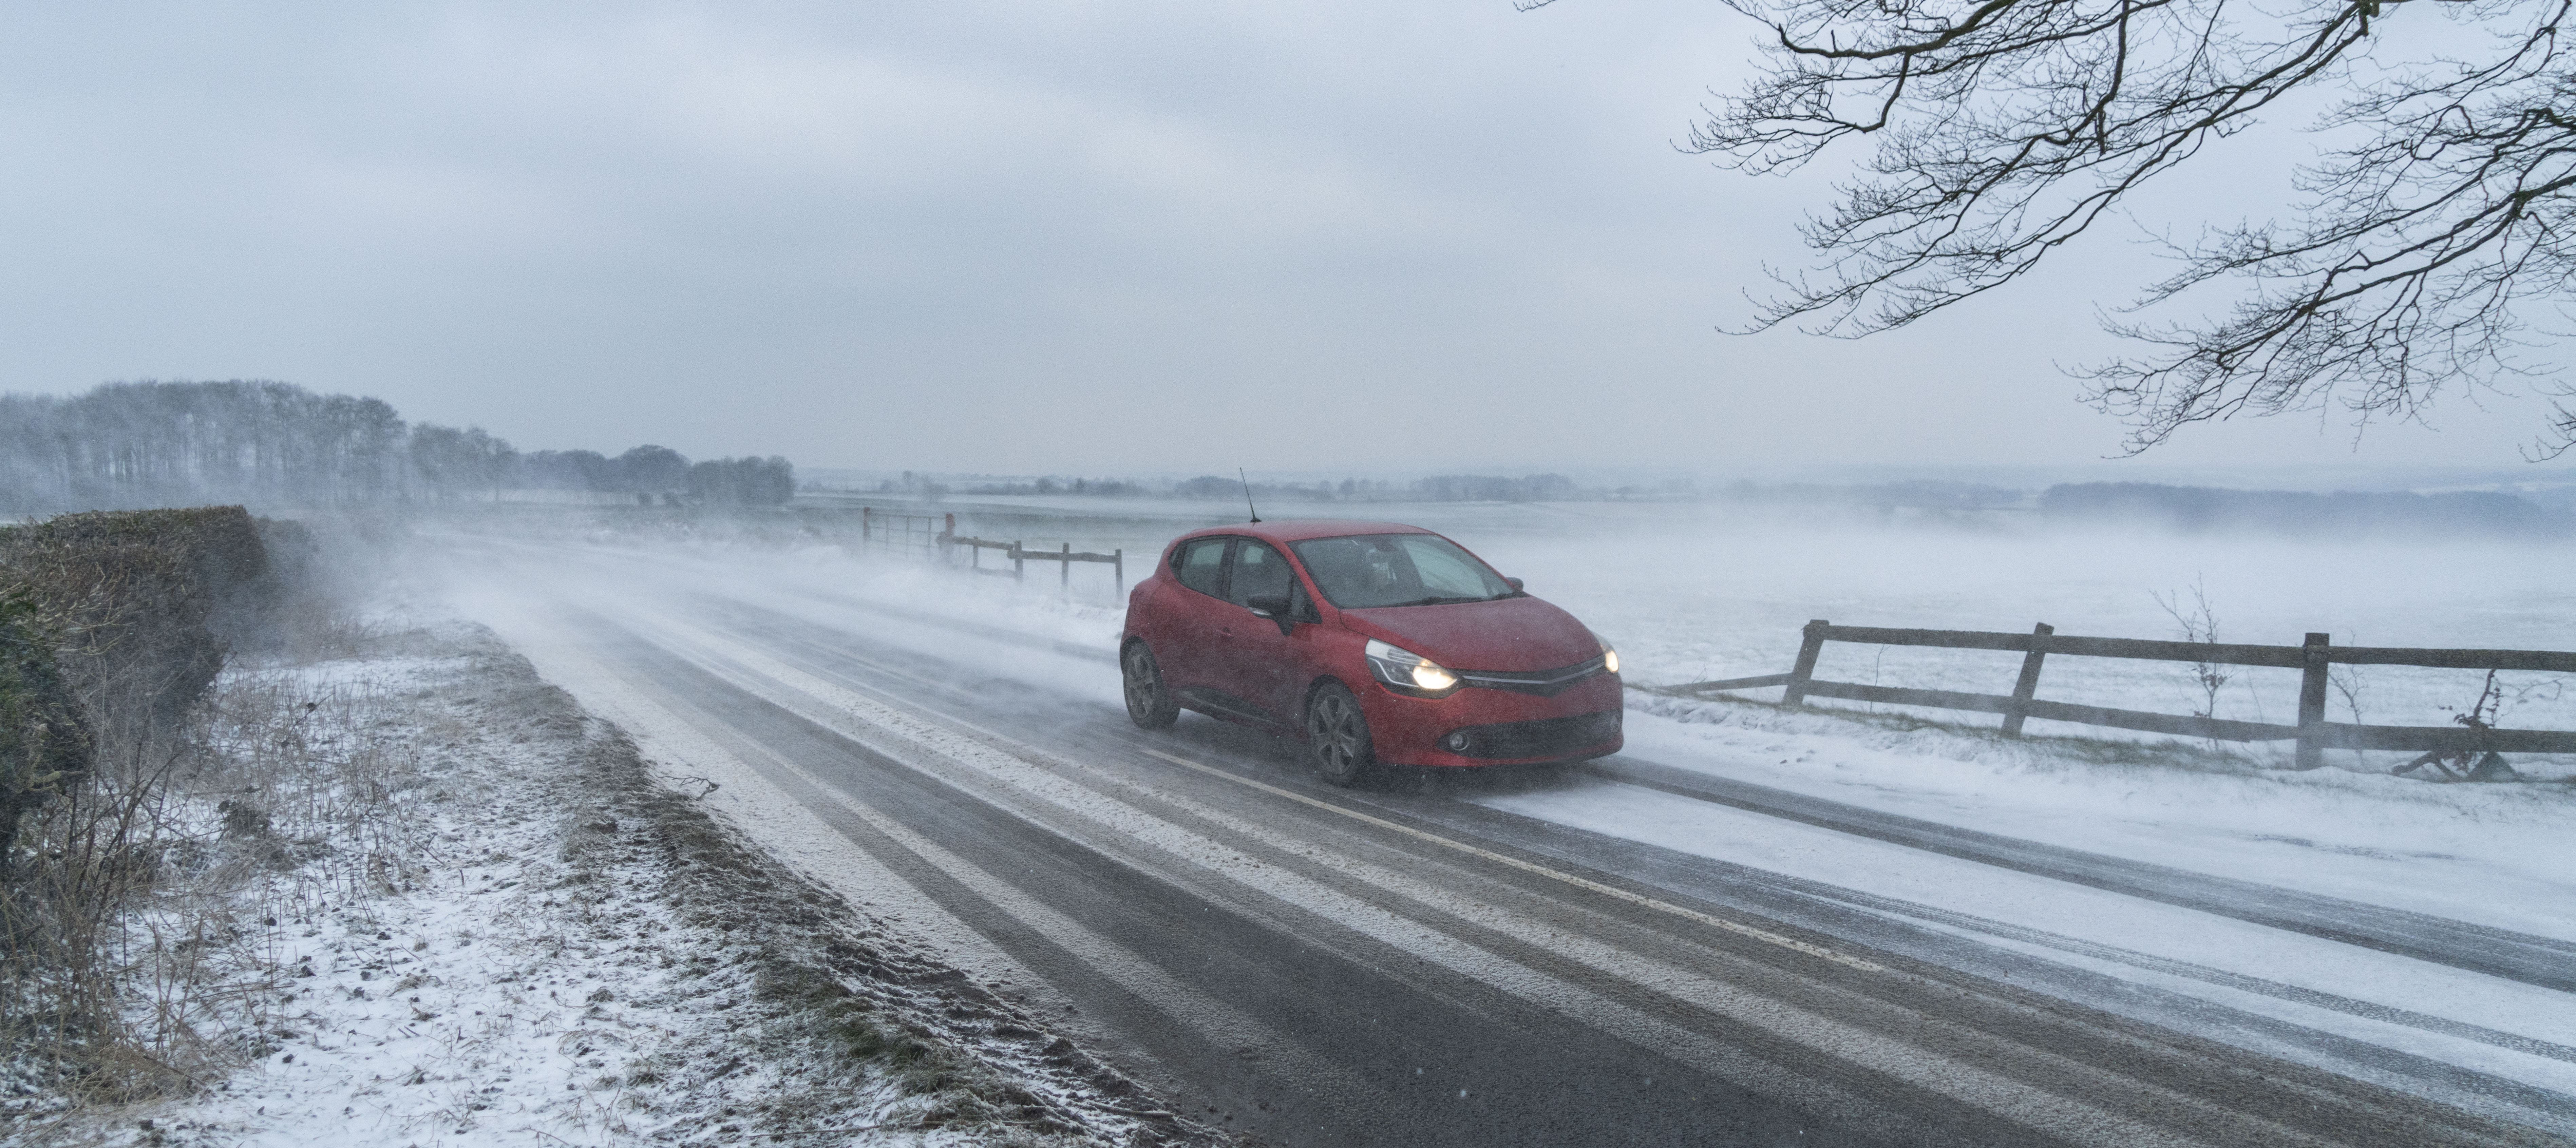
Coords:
1148,704
1339,735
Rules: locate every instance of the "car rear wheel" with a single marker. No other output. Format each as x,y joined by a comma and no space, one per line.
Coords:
1149,704
1337,735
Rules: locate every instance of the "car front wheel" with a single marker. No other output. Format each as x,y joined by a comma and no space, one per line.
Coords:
1149,704
1337,735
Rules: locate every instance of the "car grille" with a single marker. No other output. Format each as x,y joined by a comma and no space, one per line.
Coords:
1545,737
1544,683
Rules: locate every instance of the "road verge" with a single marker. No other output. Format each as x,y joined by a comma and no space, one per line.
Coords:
415,895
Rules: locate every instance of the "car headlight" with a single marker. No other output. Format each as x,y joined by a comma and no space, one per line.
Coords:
1404,669
1609,658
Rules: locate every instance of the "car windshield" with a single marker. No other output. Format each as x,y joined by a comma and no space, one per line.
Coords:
1363,570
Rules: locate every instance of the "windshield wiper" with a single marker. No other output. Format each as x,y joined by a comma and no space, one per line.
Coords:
1442,601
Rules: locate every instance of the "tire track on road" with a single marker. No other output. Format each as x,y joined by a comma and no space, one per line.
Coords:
2131,1133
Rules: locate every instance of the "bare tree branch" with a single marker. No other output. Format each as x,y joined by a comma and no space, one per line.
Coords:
2001,130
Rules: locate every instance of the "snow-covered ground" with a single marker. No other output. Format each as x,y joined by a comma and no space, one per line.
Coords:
1684,604
2478,852
482,918
1700,592
1692,593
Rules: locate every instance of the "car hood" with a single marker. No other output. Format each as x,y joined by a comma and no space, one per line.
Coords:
1505,634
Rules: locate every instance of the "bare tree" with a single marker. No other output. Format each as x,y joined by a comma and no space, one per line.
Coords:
2199,626
450,463
2005,129
2352,684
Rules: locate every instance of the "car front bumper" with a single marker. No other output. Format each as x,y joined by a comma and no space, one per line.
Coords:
1497,727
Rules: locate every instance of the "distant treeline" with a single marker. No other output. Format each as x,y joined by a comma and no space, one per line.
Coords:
2197,509
1442,488
1922,494
1106,487
268,444
1438,488
1481,488
650,471
2179,508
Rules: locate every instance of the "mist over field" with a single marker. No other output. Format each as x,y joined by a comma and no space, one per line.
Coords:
881,693
1706,590
633,576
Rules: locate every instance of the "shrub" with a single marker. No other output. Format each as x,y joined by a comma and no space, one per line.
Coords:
44,739
141,606
112,627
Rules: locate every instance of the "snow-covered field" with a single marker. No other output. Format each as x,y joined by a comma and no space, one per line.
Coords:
1695,593
1687,598
480,918
1727,600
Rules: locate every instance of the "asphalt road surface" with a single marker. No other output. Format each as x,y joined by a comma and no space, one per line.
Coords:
1400,964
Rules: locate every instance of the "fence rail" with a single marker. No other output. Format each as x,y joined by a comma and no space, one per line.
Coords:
2217,653
1020,556
2313,660
936,536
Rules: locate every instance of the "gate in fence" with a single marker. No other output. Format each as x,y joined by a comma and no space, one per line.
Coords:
2469,743
922,534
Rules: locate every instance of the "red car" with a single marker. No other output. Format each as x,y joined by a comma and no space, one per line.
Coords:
1376,642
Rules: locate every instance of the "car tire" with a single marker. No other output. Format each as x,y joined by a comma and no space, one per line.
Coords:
1337,736
1149,701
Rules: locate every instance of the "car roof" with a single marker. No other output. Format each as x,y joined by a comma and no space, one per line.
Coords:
1300,529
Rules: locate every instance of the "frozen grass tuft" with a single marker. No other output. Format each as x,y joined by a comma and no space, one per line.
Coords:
140,940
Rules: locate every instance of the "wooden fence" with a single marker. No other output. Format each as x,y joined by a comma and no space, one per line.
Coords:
1020,557
935,536
2314,733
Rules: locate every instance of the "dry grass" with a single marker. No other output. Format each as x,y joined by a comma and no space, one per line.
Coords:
138,926
167,902
127,962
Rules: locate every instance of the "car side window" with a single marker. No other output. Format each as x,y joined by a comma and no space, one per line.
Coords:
1201,565
1301,606
1258,570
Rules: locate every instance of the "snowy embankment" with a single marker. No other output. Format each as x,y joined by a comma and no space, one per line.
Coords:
457,910
2485,853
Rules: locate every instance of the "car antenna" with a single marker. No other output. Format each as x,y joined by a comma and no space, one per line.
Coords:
1247,494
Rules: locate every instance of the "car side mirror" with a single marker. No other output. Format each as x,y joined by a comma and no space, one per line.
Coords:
1273,607
1515,582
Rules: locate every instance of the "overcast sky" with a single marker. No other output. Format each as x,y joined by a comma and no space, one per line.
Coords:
1027,237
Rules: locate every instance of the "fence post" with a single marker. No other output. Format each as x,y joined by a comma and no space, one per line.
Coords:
1019,562
1805,670
1064,581
1118,563
2028,683
2312,703
867,515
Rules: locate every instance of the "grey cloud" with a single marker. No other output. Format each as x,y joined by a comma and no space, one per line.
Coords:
1076,237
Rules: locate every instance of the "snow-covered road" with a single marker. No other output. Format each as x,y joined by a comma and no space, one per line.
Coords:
1739,931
